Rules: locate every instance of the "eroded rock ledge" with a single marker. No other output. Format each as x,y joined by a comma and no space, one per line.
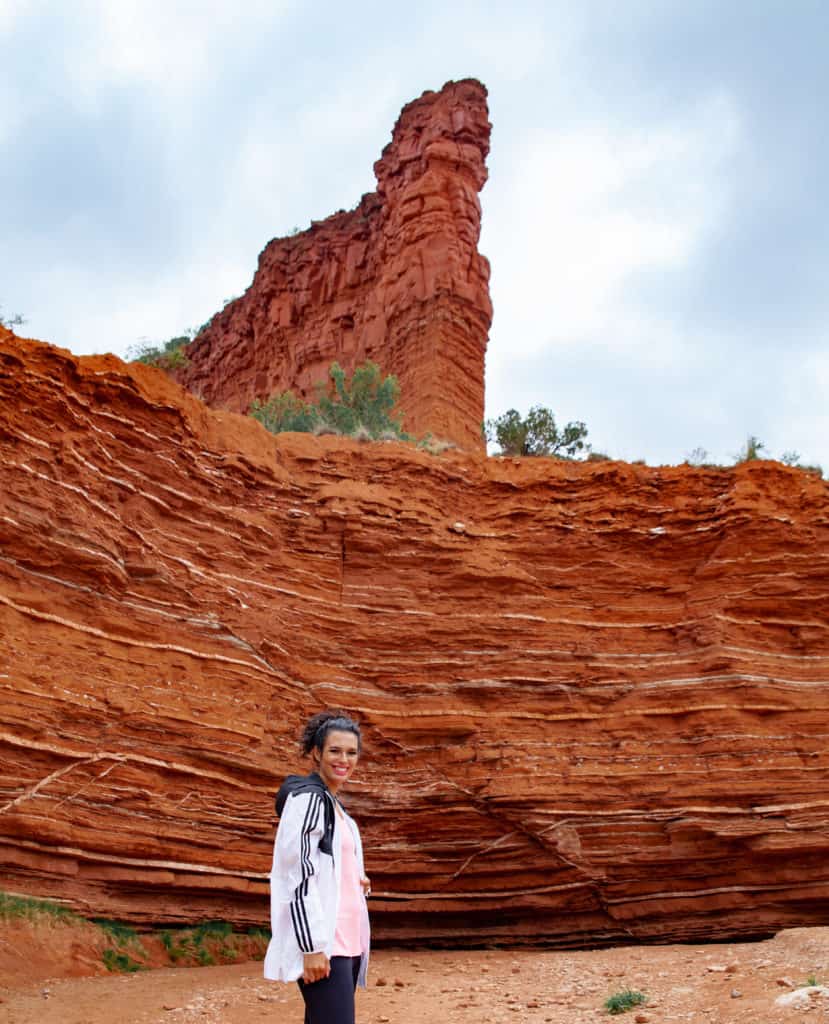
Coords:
397,280
595,696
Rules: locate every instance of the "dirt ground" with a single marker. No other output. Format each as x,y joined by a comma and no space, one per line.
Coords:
737,983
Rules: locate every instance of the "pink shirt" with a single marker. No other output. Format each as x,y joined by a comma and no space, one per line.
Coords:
350,911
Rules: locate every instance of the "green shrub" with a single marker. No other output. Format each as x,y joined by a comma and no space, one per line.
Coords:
623,1001
366,401
204,957
753,447
751,450
201,945
114,961
536,434
121,933
169,355
212,930
360,407
177,948
285,412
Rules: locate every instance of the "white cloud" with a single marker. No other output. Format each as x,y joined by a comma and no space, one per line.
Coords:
169,49
800,401
10,12
286,172
609,184
68,313
586,210
517,46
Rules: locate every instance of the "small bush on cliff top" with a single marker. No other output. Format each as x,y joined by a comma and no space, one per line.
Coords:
367,401
536,434
751,450
10,322
358,407
284,412
169,355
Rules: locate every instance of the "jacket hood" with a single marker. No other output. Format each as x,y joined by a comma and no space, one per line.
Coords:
298,784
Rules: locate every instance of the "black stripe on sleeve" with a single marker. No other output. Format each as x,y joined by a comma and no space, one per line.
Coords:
299,916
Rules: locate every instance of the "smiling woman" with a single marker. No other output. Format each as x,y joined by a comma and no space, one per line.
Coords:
319,916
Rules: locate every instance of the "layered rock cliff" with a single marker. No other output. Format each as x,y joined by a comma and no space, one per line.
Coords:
397,280
595,696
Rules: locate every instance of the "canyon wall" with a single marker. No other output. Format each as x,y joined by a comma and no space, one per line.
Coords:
397,280
595,696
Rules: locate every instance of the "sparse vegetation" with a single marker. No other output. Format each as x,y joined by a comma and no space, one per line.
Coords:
536,434
31,908
621,1002
169,355
127,940
10,322
177,948
117,930
698,457
366,400
212,930
751,450
792,458
126,951
360,407
754,446
433,445
212,942
284,412
115,961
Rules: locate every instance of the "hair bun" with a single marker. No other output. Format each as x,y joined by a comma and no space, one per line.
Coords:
319,725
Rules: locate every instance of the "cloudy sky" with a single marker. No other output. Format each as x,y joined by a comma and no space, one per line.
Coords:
656,215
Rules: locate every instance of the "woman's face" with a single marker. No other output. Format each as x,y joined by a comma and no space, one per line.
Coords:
338,758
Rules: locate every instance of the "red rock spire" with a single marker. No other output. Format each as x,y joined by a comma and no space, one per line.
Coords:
397,280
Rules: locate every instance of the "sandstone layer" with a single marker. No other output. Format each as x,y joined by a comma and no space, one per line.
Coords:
595,696
397,280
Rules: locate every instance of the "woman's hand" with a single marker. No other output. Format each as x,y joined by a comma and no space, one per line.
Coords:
366,884
315,967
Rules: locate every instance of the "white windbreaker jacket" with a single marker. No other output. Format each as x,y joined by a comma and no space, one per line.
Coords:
305,886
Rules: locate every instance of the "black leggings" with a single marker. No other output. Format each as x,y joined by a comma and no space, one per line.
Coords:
331,1000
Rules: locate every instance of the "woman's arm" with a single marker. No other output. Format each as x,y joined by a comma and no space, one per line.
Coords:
297,860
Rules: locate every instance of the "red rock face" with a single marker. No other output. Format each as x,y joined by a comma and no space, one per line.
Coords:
595,696
398,280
